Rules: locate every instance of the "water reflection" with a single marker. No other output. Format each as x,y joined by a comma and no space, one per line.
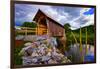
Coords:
75,55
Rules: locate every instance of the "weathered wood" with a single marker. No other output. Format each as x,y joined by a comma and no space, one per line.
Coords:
55,29
45,22
27,30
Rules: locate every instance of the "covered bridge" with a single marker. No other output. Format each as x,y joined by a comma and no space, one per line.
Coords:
47,25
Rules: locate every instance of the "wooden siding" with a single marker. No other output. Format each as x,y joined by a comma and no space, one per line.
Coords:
45,23
54,29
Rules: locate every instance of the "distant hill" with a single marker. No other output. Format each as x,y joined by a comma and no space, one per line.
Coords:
90,34
90,29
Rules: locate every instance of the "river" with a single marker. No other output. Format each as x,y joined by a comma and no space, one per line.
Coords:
75,55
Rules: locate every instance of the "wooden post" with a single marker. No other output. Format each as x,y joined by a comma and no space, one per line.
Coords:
80,40
37,29
74,37
81,48
38,24
64,41
26,31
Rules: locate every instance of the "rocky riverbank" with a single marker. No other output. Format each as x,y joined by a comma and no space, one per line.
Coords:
42,50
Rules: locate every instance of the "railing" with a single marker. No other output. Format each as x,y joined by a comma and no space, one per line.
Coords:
27,30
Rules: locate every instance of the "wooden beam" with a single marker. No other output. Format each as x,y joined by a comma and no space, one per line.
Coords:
26,32
74,37
38,24
81,48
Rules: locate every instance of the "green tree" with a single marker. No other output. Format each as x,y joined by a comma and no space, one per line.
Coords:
29,24
67,28
67,32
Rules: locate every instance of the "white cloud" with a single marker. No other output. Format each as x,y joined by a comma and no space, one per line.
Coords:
54,14
90,20
84,10
82,20
73,28
75,17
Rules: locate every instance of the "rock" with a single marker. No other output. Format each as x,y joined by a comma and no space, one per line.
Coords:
51,61
22,53
27,60
53,41
45,58
28,44
45,42
34,54
65,60
40,38
27,51
30,38
34,60
42,51
19,37
49,54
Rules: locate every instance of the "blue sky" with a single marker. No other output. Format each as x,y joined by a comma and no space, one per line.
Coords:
75,16
89,12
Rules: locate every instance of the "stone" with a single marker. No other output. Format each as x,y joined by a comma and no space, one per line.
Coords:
65,60
51,61
45,58
28,44
19,37
34,54
42,51
22,53
34,60
30,38
27,60
49,54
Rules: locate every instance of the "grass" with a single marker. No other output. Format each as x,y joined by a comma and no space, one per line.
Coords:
71,40
17,58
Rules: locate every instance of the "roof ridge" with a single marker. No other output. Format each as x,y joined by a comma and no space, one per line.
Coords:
50,17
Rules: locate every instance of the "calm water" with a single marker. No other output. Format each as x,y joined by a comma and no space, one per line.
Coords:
75,55
89,58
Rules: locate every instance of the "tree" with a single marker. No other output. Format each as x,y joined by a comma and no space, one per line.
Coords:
67,27
67,32
70,33
29,24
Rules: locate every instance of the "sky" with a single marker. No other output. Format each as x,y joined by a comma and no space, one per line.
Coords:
76,16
